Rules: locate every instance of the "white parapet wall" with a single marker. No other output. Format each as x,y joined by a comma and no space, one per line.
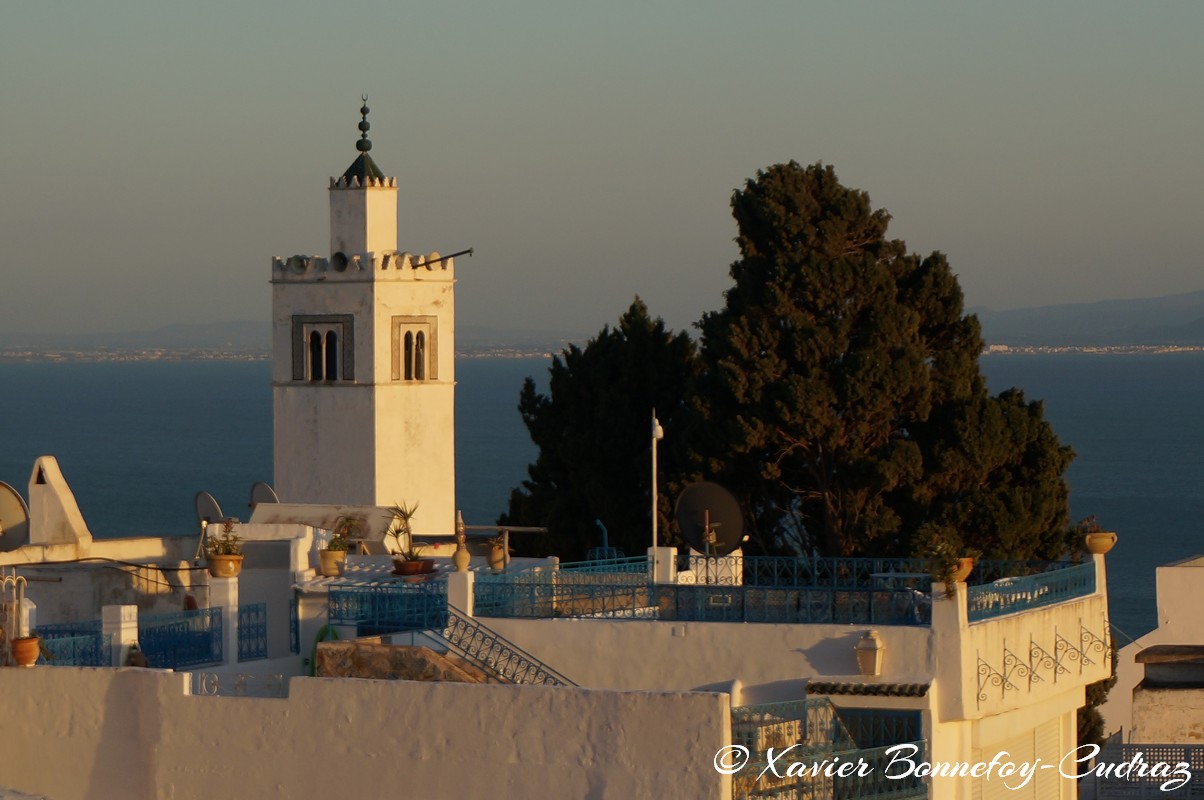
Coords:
78,734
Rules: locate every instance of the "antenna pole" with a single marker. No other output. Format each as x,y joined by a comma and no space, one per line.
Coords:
658,433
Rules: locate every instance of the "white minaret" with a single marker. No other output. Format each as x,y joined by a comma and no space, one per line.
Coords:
363,374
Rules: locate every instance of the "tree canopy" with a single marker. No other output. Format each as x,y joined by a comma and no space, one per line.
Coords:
837,393
593,430
842,398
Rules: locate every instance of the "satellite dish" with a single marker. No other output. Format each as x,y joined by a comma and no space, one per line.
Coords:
207,509
709,504
14,519
262,493
339,260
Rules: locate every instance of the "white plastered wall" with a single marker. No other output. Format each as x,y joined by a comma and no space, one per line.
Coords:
138,735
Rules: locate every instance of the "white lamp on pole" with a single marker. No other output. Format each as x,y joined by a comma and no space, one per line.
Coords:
658,433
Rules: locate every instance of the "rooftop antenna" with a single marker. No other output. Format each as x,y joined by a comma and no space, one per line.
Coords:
207,512
14,519
710,518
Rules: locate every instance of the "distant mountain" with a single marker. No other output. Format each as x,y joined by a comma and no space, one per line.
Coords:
472,339
254,337
1176,319
242,336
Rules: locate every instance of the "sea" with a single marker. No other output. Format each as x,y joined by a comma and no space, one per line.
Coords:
136,440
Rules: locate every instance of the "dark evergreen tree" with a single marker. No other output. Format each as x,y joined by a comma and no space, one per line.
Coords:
842,399
593,430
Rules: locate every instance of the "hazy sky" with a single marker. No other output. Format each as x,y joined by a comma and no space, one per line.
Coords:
157,155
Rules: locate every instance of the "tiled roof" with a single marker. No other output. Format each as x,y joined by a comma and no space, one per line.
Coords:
363,168
878,689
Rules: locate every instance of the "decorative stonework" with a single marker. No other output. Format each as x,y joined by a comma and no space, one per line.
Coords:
370,183
302,267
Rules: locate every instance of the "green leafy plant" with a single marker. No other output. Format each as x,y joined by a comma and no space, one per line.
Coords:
402,533
345,529
228,543
944,558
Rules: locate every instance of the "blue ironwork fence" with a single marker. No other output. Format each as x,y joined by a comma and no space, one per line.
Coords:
294,625
181,639
89,650
76,644
631,565
252,631
1009,595
388,607
553,597
819,738
497,655
878,727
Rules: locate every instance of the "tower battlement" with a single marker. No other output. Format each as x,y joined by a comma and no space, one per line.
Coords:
354,182
389,265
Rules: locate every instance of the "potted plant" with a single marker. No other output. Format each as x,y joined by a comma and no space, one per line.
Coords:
1096,540
25,645
948,564
332,559
224,552
407,557
496,557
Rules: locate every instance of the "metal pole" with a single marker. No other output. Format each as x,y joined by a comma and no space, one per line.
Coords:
657,434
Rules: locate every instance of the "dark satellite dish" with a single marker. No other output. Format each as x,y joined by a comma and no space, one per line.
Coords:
708,505
262,493
14,519
207,509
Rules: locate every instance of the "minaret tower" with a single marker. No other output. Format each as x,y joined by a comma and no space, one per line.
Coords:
363,374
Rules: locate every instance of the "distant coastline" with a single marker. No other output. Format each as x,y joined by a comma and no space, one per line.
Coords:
100,355
1109,349
64,355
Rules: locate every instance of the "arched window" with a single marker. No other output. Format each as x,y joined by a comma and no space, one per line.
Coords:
415,349
408,354
315,357
420,356
332,356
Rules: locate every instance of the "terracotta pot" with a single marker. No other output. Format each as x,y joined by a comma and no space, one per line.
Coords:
422,566
330,561
225,566
26,650
964,567
497,558
1099,542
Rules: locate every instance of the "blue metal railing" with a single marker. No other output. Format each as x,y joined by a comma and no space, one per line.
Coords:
496,655
879,727
880,591
59,630
818,733
813,723
631,565
541,598
182,639
1010,595
252,631
88,650
389,606
883,781
294,625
